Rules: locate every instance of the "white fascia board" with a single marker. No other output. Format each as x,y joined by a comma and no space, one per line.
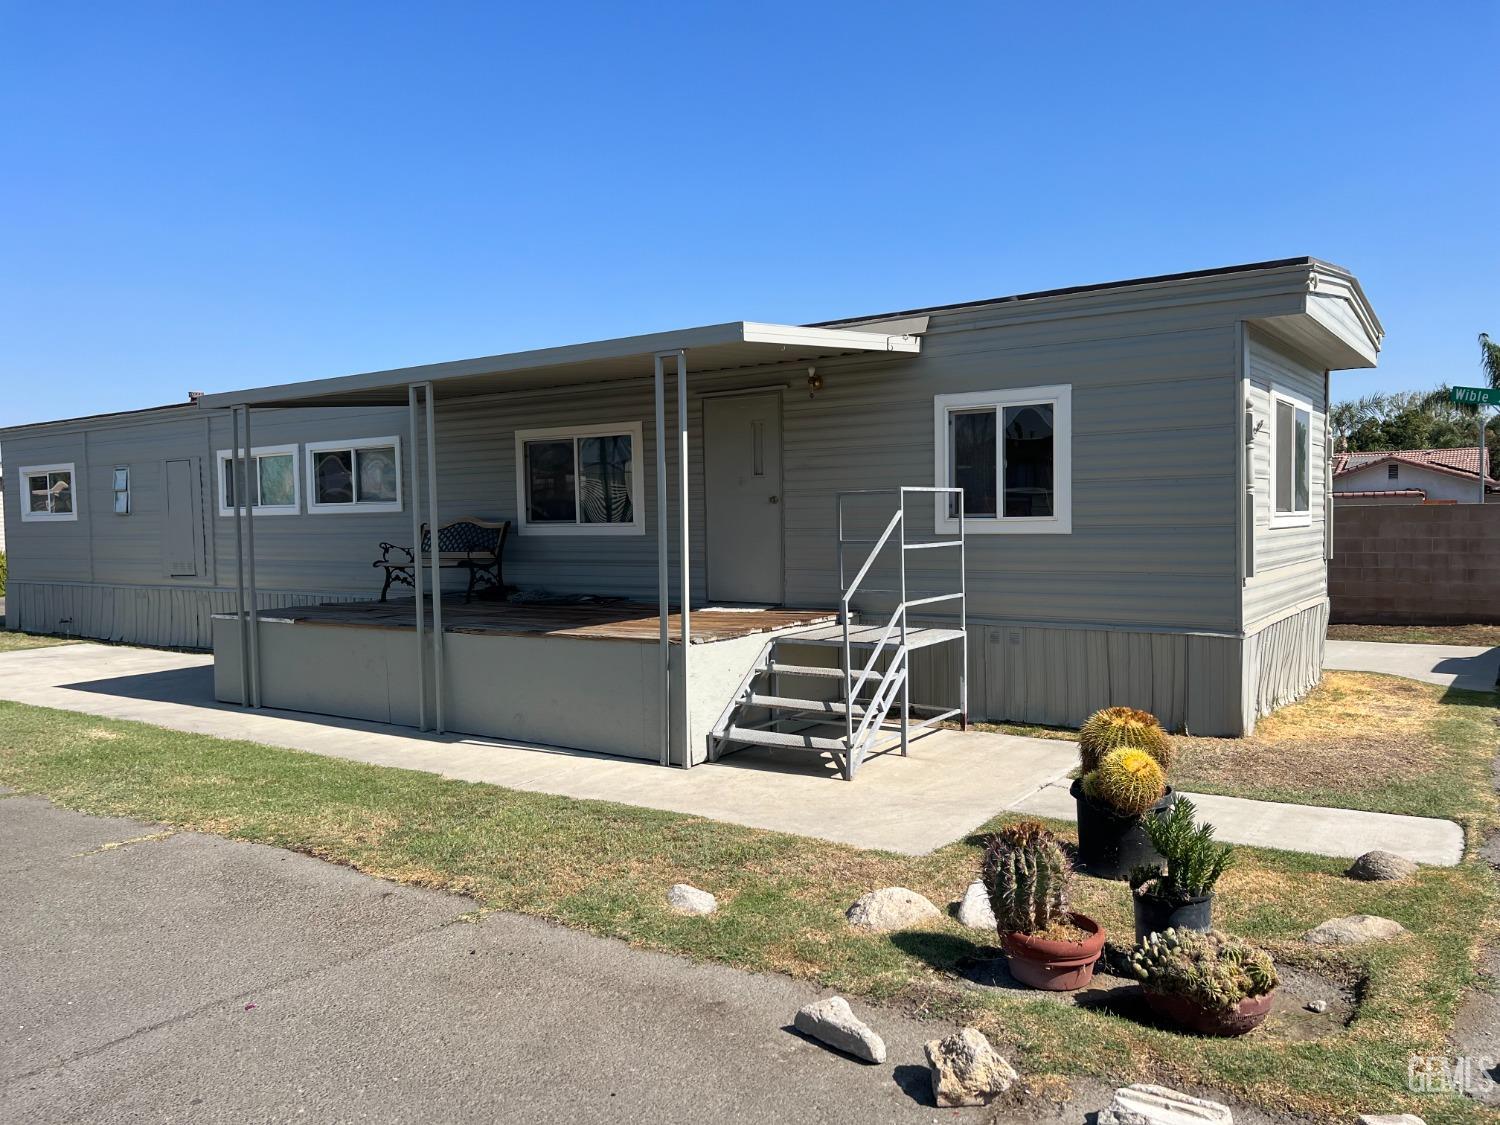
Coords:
847,339
713,335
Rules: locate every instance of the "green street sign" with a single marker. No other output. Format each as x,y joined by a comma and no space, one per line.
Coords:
1475,396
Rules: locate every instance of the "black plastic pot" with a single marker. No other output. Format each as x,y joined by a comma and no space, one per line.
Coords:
1153,914
1110,845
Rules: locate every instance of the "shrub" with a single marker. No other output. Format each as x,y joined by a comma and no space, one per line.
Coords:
1194,860
3,573
1027,877
1129,781
1117,727
1212,969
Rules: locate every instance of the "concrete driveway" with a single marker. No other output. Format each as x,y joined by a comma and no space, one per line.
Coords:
155,976
1460,666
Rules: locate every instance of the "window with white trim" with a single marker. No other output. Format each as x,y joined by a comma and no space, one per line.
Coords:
363,475
275,488
579,480
1011,453
1291,461
121,490
47,494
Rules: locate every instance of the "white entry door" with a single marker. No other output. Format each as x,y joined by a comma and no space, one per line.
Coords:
742,495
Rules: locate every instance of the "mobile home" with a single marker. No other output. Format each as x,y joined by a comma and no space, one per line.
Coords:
742,534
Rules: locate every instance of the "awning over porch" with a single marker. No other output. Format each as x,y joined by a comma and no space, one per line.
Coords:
734,346
715,347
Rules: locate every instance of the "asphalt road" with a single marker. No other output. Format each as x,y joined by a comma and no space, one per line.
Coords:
183,977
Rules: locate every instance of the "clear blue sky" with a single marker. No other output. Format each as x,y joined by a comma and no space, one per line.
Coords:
208,196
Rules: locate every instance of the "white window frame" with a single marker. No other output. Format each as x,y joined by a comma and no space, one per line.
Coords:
27,472
116,491
1060,397
1292,518
637,525
317,507
256,452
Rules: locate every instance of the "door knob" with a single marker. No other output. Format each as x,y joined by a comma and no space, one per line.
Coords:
775,499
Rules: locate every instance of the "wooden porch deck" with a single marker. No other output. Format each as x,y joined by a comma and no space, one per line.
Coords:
606,619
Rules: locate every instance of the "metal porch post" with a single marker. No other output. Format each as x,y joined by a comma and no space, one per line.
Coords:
663,604
684,561
437,582
237,482
251,463
414,490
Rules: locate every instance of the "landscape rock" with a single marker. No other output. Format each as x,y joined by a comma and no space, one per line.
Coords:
966,1070
1379,865
974,908
1354,930
892,908
832,1022
1389,1119
1157,1105
687,899
1319,1006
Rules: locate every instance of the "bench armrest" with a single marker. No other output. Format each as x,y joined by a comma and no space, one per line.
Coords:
385,556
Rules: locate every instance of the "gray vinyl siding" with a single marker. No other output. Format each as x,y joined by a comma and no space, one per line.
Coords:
1152,542
1290,570
105,575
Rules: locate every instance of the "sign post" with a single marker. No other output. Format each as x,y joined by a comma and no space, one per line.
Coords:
1480,397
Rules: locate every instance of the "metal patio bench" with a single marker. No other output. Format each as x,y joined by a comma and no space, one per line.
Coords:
470,544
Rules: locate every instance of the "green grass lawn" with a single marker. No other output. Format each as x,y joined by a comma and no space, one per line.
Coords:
605,868
15,642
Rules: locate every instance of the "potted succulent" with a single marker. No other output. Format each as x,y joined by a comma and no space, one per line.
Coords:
1124,756
1210,983
1179,895
1046,945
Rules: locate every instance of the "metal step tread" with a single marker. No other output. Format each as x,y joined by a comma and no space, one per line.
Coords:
790,741
805,670
868,636
817,706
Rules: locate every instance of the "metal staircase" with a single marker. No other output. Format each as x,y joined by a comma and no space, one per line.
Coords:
806,691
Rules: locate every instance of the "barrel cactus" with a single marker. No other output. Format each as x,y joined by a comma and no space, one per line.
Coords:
1212,969
1114,728
1129,781
1027,877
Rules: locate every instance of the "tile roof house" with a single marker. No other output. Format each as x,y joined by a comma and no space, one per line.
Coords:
1409,476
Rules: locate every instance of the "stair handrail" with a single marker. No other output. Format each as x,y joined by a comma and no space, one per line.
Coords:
899,615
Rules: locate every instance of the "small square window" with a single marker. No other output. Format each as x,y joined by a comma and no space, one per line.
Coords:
48,493
579,481
1010,452
273,487
363,475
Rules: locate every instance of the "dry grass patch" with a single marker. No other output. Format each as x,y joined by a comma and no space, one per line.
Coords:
1487,636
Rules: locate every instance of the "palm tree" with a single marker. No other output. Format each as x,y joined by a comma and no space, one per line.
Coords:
1489,359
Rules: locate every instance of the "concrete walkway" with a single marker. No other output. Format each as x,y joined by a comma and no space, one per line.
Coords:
1303,828
951,783
1461,666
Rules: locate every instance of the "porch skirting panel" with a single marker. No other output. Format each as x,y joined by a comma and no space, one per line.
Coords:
580,693
166,616
1284,660
1200,683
